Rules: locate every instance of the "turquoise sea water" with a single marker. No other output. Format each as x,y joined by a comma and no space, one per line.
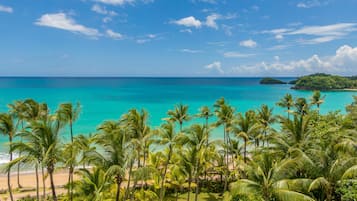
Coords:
108,98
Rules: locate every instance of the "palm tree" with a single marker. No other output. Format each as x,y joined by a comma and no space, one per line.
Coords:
17,110
92,184
225,115
8,128
317,100
247,128
286,102
48,133
168,138
33,153
196,144
67,113
113,140
302,107
266,118
268,179
179,114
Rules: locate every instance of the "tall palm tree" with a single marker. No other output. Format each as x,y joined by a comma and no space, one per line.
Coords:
286,102
67,113
113,140
317,99
179,114
48,132
168,138
266,118
246,128
8,128
196,144
17,109
269,179
32,153
225,116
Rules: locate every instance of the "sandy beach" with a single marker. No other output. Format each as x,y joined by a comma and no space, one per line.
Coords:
28,182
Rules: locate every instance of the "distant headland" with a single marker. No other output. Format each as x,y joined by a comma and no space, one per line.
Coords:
318,81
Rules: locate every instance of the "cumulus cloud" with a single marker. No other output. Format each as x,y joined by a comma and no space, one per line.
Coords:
211,20
215,66
236,55
343,62
6,9
117,36
64,22
248,43
188,22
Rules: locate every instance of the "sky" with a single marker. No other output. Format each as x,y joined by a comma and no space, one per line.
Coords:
196,38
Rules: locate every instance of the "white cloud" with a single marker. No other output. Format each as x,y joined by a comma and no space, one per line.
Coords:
279,37
190,51
102,10
186,31
188,22
215,66
116,2
248,43
211,21
318,40
343,62
311,3
6,9
110,33
207,1
227,29
339,29
321,34
64,22
236,55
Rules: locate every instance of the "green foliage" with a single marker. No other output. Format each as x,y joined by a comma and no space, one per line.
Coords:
306,156
269,80
347,190
324,82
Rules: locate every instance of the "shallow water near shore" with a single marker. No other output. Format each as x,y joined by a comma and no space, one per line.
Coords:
108,98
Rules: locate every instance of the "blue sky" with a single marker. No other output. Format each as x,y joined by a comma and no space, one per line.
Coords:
177,37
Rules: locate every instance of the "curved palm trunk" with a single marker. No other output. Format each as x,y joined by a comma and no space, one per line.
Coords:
129,180
37,183
245,150
118,181
71,168
197,183
162,189
226,158
9,172
43,182
189,189
50,170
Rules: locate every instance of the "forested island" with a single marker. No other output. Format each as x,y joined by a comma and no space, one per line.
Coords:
309,157
269,80
325,82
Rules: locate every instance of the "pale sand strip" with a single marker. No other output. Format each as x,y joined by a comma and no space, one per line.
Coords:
28,181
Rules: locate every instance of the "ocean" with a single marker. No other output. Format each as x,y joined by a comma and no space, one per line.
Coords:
108,98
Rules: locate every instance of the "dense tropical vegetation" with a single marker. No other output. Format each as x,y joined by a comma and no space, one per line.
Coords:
321,81
301,155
